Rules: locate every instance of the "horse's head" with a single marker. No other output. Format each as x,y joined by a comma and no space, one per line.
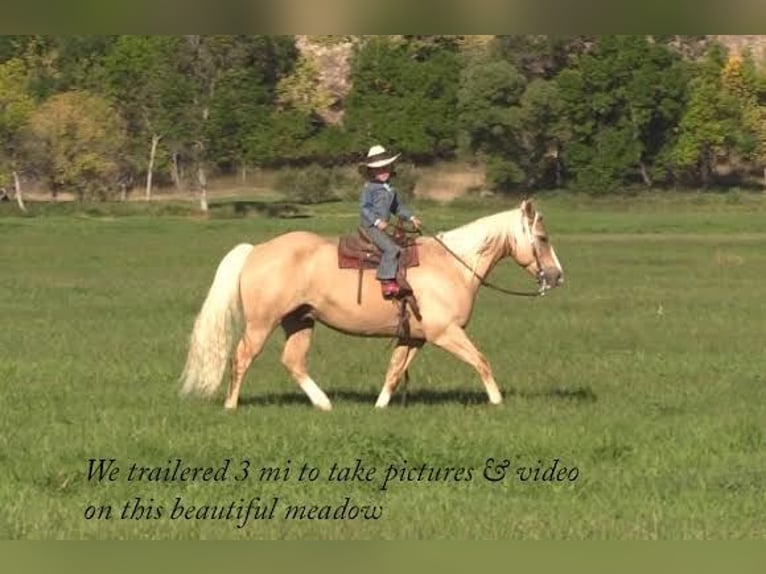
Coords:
533,249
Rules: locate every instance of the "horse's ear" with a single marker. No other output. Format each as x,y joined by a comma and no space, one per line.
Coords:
528,208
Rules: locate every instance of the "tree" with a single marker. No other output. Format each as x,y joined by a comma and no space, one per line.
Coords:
544,133
302,89
241,70
144,80
62,63
489,110
76,140
404,96
243,108
541,56
709,124
623,100
760,120
739,79
11,47
16,105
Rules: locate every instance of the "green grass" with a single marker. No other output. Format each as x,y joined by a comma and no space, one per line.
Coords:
645,372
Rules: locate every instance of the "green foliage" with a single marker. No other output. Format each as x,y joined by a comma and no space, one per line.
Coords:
236,114
503,175
493,120
580,112
313,184
16,105
329,145
405,180
538,56
488,100
711,123
153,94
281,138
235,92
64,63
76,140
623,101
403,99
302,89
741,82
612,160
544,133
11,47
702,132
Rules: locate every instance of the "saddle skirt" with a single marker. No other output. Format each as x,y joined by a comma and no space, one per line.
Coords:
356,251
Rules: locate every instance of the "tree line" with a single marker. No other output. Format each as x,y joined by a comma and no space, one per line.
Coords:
100,115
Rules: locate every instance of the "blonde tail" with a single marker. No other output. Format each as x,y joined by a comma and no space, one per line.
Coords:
216,326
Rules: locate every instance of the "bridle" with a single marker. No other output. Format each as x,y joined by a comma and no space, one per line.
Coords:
534,244
533,241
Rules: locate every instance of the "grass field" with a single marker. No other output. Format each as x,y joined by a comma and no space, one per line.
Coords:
645,373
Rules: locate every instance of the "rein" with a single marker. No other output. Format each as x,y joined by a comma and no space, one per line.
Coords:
482,281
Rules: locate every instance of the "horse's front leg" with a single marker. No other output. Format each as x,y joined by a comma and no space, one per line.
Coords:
455,340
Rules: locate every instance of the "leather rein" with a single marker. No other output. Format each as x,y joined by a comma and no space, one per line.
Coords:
483,281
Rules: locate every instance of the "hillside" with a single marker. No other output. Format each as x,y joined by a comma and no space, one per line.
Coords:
738,44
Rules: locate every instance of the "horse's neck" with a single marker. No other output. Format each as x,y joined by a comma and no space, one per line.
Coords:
497,251
485,263
478,255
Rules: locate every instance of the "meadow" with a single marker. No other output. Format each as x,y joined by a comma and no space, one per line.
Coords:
643,376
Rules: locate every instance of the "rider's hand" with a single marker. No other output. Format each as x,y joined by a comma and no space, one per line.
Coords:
382,224
416,222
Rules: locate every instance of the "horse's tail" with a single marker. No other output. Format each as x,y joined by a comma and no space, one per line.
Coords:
215,328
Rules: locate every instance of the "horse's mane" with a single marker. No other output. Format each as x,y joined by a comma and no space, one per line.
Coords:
471,240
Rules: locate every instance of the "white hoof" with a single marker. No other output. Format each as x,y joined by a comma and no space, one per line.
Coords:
325,407
383,399
315,394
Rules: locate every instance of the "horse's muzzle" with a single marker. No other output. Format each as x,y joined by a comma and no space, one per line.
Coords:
551,277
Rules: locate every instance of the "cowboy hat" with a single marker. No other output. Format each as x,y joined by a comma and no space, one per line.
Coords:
377,156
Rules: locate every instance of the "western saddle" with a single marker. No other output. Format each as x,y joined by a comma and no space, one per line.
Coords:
357,251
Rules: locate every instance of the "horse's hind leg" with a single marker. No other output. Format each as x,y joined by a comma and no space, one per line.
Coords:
248,349
401,358
454,340
298,330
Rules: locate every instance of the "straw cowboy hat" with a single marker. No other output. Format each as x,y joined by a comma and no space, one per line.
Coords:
377,156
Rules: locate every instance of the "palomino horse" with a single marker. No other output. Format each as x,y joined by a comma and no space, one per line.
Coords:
294,280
